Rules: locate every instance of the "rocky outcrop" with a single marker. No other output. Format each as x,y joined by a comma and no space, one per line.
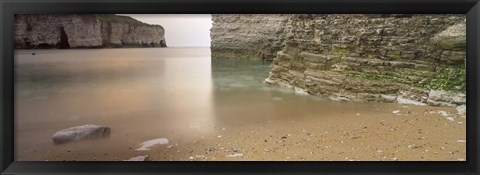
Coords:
410,59
81,133
383,58
248,36
85,31
453,38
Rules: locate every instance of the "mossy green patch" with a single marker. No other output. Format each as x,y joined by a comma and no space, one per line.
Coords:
394,54
450,79
342,50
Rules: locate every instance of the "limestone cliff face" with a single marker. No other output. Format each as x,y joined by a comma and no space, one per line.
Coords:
250,36
85,31
416,59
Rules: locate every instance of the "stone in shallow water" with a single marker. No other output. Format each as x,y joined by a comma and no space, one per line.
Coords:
81,133
146,145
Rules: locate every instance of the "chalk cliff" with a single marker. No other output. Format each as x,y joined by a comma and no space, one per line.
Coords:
85,31
247,36
412,59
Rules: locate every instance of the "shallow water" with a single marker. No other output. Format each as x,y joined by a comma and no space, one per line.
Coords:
174,93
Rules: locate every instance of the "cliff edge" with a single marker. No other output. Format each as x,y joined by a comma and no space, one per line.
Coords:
85,31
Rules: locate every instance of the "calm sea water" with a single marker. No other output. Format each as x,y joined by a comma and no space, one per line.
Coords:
145,93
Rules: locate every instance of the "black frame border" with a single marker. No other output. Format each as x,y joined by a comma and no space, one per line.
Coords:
10,7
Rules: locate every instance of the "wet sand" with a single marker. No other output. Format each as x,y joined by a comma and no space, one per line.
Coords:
419,133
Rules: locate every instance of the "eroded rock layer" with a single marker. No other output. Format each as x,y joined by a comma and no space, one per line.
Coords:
413,59
85,31
248,36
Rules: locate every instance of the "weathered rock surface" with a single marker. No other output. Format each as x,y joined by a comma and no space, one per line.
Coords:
445,98
453,38
85,31
383,58
81,133
248,36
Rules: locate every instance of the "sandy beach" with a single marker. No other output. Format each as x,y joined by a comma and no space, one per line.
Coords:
414,133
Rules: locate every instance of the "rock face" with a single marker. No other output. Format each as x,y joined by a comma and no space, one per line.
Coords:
248,36
81,133
85,31
382,58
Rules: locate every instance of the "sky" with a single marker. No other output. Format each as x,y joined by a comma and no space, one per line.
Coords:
181,30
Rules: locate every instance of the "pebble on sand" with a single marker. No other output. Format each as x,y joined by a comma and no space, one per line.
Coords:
138,158
146,145
443,113
235,155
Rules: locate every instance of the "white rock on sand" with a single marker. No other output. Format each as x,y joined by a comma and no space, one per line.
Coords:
443,113
402,100
300,91
146,145
81,133
235,155
462,109
138,158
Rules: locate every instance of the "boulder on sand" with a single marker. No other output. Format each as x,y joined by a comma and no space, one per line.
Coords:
81,133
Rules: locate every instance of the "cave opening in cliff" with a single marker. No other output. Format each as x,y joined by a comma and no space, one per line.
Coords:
63,44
